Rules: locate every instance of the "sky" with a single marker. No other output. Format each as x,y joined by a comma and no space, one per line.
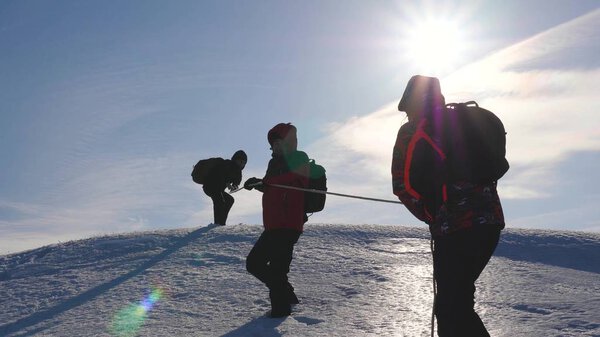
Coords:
105,106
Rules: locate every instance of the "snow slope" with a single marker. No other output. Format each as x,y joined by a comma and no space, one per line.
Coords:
367,280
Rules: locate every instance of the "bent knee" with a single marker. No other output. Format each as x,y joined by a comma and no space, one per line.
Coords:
251,266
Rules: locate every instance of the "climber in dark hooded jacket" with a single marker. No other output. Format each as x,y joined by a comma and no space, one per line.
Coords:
225,174
464,217
283,217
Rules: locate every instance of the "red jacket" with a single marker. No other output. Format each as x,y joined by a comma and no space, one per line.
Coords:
284,208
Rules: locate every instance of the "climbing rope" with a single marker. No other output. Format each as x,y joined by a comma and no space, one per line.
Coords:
431,246
334,193
363,198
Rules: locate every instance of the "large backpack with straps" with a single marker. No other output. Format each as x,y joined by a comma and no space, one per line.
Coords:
202,169
474,142
317,180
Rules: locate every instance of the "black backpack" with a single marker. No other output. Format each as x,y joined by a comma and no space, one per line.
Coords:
317,180
474,141
203,168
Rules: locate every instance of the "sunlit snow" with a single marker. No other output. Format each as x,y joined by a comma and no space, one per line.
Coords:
367,280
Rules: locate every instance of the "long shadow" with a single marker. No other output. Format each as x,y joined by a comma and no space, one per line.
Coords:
560,249
261,326
90,294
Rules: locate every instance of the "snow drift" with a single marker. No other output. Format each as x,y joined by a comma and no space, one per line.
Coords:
367,280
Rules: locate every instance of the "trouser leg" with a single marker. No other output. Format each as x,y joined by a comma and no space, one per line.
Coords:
280,290
257,262
459,259
269,261
222,203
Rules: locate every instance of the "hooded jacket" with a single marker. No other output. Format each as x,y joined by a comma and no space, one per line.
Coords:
224,172
418,182
418,172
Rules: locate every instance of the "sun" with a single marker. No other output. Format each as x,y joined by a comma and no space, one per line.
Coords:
434,45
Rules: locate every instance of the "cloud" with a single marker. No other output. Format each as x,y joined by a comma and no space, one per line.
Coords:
580,217
368,140
107,195
543,88
549,109
357,156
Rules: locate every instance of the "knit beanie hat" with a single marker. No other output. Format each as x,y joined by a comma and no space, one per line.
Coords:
285,132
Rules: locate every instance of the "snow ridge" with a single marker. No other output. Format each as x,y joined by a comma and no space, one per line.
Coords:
352,280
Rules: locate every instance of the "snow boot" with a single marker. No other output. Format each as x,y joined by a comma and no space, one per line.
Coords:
280,312
280,306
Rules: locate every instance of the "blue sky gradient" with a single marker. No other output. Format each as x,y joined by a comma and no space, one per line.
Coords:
106,105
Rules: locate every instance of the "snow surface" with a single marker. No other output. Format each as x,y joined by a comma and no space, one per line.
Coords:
367,280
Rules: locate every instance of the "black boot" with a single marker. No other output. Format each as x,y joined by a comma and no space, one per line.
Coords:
280,312
280,306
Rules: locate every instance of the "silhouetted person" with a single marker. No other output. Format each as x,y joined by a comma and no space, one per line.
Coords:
283,217
223,173
465,217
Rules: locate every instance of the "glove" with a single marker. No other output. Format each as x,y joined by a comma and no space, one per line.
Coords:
252,183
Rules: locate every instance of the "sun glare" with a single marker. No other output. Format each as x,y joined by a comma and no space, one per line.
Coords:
434,45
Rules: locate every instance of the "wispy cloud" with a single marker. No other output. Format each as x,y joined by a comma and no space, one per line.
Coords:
549,110
548,104
580,217
543,88
109,195
357,155
105,196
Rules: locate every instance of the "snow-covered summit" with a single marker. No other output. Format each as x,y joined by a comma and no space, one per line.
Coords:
367,280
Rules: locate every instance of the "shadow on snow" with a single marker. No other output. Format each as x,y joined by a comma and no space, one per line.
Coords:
261,326
553,248
90,294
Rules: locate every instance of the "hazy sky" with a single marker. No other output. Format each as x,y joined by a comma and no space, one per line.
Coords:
106,105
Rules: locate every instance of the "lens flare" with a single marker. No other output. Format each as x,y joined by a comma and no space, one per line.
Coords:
128,321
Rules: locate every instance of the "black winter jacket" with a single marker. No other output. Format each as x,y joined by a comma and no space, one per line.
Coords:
225,172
